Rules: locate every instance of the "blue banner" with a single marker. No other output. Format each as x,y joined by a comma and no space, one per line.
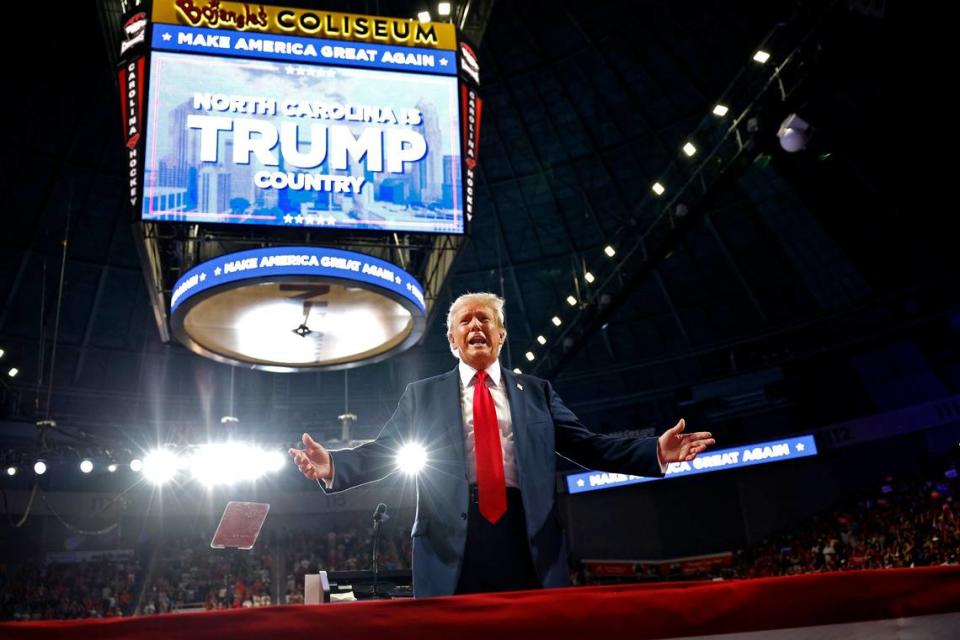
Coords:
266,46
743,456
297,261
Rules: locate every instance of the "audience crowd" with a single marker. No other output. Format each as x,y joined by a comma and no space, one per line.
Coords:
907,522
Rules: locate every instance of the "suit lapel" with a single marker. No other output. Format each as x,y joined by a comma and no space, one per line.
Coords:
517,415
452,410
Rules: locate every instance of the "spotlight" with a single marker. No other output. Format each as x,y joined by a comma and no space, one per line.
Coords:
86,465
541,340
658,188
794,133
11,471
411,459
2,352
112,468
761,56
443,8
222,464
517,370
40,467
13,372
530,356
274,461
423,16
690,150
556,321
160,466
610,251
571,301
720,110
588,277
136,465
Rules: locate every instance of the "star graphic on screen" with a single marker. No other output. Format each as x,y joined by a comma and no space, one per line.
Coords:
288,218
166,37
580,482
800,446
289,69
203,276
443,62
217,271
299,219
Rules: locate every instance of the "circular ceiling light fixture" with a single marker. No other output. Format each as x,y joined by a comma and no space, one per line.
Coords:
297,309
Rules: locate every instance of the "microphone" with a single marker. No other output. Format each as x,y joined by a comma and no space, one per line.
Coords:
378,514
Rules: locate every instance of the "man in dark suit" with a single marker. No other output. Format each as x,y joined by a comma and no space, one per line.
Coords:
487,516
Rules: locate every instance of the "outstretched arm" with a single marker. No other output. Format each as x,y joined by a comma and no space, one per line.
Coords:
346,468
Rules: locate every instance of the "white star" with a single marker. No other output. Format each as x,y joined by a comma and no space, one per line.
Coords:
166,36
299,219
580,482
288,218
289,69
443,61
217,271
203,276
799,446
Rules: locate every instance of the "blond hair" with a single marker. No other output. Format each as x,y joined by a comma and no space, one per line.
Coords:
491,300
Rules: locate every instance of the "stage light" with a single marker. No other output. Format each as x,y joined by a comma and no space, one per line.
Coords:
274,461
160,466
794,133
11,471
13,372
657,188
411,459
517,370
2,352
610,251
232,462
443,8
223,464
86,466
556,321
530,356
541,340
136,465
571,301
761,56
589,277
112,468
423,16
40,467
690,150
720,110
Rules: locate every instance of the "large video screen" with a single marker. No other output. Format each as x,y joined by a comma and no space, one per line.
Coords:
273,142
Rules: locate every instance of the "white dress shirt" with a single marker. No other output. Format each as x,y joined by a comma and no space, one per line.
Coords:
504,421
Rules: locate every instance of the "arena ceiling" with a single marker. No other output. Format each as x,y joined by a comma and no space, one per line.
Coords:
793,290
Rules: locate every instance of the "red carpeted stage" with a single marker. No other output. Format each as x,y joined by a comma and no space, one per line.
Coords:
895,603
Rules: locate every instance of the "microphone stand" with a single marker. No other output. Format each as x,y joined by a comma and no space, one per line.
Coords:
377,520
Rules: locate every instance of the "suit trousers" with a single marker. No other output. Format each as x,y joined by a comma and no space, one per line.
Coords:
497,556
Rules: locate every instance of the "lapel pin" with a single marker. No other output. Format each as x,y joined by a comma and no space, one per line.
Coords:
520,386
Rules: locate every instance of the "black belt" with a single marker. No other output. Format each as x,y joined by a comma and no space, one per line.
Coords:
475,493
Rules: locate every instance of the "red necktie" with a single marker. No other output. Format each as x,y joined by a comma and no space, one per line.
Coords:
486,438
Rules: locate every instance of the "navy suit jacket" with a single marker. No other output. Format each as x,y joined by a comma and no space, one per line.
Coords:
429,413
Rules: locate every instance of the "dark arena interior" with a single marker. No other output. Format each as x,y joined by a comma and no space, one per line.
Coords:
734,213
